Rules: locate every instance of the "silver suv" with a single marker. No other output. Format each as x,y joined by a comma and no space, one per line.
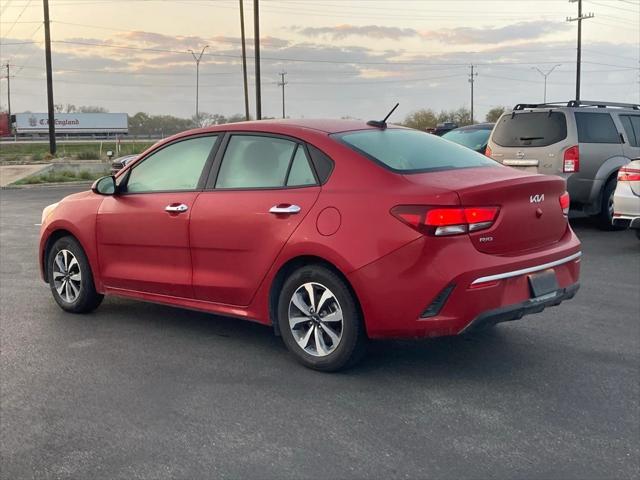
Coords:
585,142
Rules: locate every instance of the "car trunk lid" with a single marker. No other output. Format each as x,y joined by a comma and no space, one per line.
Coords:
530,215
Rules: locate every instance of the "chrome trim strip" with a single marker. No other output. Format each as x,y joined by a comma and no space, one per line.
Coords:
521,163
537,268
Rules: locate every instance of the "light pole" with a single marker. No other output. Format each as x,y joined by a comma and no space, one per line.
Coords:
197,58
545,75
244,63
256,50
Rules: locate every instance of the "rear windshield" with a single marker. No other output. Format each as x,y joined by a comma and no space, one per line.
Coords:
411,151
530,129
472,138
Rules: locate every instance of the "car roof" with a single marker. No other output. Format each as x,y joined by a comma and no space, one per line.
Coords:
299,128
476,126
294,125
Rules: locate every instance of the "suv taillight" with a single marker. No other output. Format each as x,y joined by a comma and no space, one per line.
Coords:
565,201
488,151
440,221
628,174
571,161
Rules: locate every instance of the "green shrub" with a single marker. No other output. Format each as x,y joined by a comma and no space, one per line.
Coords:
87,155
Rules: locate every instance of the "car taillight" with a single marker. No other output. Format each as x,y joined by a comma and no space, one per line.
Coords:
628,174
445,221
571,163
565,201
488,151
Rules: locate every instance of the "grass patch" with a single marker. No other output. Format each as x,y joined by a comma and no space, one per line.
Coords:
87,155
12,152
60,176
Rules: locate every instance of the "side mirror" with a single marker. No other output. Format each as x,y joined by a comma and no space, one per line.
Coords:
104,185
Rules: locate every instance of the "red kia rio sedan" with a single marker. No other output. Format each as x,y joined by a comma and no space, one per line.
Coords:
332,232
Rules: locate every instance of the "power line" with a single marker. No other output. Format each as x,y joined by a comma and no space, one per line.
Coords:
6,5
18,18
322,61
613,6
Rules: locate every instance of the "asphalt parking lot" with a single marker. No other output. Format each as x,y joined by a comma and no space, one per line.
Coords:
136,390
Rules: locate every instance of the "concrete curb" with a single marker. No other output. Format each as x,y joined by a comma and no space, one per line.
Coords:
48,185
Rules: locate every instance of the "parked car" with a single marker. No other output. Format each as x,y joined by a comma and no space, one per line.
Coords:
121,162
333,232
475,137
626,199
584,142
442,128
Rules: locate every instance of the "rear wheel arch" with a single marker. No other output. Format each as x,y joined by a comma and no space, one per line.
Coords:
291,266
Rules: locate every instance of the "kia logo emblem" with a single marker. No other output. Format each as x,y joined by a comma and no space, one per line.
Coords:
536,198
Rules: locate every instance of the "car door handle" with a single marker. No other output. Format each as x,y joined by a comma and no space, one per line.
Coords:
284,208
176,208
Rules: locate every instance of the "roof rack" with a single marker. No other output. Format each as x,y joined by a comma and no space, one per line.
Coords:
577,103
586,103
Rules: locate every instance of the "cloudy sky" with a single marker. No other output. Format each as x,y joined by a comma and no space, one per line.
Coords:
342,57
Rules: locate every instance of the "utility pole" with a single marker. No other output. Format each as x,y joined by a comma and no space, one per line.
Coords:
579,19
9,95
471,80
256,40
47,54
282,83
244,62
545,75
197,58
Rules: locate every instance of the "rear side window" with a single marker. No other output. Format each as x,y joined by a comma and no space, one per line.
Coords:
322,163
530,129
411,151
631,124
252,161
596,128
300,173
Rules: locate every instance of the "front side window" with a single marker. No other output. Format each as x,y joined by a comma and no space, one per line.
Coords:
175,167
410,151
530,129
596,128
631,124
252,161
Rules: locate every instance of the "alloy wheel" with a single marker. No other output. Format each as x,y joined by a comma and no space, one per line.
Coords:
315,319
610,204
67,278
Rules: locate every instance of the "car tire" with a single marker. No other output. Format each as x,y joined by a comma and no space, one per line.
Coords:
330,338
70,277
605,217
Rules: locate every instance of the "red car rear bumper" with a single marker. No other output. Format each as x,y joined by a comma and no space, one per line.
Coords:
396,291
